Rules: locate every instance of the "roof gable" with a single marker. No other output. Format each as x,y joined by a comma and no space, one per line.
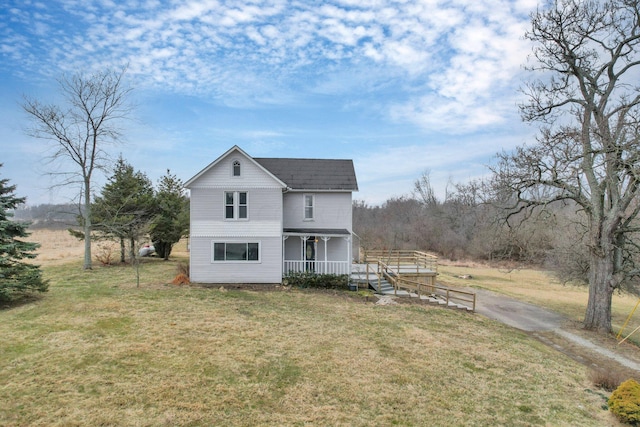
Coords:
234,152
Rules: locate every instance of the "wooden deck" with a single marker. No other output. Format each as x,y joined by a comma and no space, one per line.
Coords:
408,273
402,259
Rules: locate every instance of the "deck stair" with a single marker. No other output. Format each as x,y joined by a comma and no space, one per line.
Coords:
384,287
403,274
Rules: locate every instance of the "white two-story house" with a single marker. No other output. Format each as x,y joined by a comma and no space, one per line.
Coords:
253,220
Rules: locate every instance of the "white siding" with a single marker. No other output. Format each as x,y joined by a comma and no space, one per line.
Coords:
331,210
264,217
337,249
251,175
268,270
263,225
293,248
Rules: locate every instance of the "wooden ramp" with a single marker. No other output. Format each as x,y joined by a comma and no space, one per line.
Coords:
408,274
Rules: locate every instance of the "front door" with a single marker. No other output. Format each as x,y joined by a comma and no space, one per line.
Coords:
310,254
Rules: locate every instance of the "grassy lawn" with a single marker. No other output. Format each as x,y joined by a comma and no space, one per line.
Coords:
96,350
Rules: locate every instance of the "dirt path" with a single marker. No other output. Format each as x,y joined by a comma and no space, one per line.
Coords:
558,332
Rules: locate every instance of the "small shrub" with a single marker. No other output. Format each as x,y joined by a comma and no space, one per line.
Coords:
181,279
625,402
318,281
105,254
183,268
182,274
607,379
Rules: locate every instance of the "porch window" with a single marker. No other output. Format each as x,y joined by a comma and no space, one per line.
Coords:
228,251
236,205
308,207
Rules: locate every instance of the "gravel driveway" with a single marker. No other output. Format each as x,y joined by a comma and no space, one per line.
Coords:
520,315
536,320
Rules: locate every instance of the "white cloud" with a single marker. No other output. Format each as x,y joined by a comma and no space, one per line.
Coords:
191,10
445,67
414,36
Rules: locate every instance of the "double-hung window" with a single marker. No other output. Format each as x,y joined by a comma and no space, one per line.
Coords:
227,251
235,205
308,207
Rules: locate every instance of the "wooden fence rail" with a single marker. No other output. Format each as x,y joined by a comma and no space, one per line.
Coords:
450,295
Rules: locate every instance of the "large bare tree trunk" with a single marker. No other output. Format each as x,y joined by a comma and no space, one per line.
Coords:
598,314
87,224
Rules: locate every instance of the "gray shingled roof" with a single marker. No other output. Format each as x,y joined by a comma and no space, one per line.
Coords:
313,174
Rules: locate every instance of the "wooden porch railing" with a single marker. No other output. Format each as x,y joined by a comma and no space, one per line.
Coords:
318,267
406,259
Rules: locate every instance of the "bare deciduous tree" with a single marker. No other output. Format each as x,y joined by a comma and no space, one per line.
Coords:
80,129
588,150
423,190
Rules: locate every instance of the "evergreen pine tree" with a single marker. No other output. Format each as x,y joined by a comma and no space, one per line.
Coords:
125,206
172,220
17,278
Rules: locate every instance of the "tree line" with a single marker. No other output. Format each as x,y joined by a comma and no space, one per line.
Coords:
48,215
471,223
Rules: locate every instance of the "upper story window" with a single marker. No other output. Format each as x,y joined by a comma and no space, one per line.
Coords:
236,168
236,205
308,206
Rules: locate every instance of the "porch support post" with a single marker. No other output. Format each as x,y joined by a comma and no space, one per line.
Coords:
325,239
284,238
303,258
303,239
348,240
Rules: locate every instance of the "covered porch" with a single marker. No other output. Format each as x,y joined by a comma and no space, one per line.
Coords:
317,251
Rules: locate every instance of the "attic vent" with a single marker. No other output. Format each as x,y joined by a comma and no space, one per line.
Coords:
236,168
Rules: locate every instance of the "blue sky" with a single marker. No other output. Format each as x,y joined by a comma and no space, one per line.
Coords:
399,86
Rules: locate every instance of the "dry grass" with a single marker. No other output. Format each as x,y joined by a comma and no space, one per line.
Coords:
96,350
59,247
608,378
99,351
535,286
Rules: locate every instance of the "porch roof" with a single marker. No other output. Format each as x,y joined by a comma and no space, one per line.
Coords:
341,232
